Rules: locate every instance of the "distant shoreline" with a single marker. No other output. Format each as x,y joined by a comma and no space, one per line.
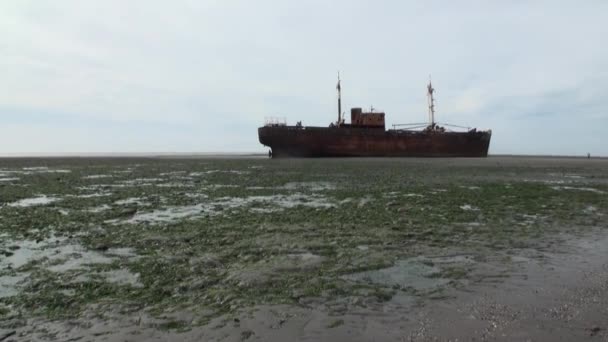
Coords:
241,155
135,155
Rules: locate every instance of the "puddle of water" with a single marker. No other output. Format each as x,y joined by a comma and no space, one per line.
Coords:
172,173
132,200
99,209
363,201
553,181
53,254
129,170
312,186
35,168
305,256
413,195
54,250
97,187
577,189
165,215
531,219
38,169
97,176
195,195
28,250
176,185
394,194
122,252
219,186
264,270
139,182
9,285
93,195
203,173
520,259
451,259
590,209
468,207
122,277
292,201
437,191
300,261
76,257
221,205
264,210
405,273
28,202
67,292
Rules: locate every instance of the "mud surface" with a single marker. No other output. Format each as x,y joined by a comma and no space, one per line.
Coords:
141,249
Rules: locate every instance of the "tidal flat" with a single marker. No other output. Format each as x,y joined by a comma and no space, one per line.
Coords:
295,249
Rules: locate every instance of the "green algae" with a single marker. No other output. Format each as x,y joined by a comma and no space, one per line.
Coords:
234,252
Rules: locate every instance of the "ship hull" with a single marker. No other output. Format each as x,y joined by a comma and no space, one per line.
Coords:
292,141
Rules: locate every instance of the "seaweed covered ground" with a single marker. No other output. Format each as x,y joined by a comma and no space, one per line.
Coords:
243,248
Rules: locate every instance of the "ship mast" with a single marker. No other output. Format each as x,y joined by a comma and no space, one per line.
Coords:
339,89
431,101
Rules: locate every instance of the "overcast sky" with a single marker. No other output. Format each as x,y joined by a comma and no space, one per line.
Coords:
201,76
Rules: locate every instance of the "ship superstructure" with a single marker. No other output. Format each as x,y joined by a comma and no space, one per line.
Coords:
366,136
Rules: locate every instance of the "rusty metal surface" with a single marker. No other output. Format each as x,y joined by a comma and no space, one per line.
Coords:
358,118
365,136
292,141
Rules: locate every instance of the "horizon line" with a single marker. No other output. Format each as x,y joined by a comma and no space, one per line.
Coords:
226,154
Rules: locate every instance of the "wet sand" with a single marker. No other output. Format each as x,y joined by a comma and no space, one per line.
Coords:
559,296
549,287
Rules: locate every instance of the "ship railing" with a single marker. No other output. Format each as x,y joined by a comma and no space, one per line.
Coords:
275,121
410,126
438,125
456,126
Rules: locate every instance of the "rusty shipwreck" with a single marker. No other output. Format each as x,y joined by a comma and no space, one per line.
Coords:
366,136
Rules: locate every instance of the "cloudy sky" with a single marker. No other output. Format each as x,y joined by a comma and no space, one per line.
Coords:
201,76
